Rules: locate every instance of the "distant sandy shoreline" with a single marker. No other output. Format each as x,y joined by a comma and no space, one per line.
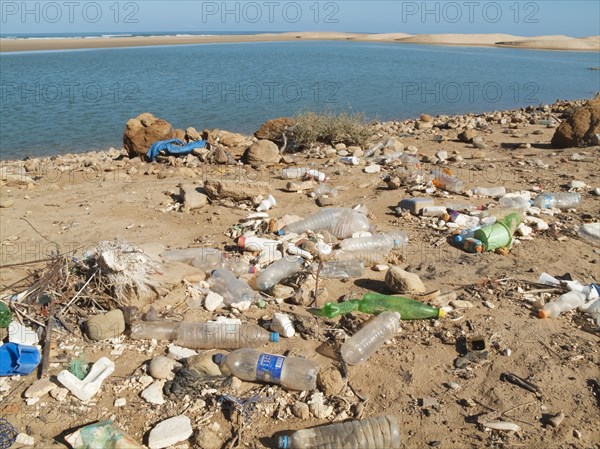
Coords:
559,42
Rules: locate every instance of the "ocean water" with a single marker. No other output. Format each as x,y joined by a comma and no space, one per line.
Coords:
56,102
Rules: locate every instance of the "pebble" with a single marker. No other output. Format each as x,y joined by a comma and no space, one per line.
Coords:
381,267
479,143
453,386
179,353
330,381
60,394
39,388
120,402
577,434
170,431
107,325
208,439
576,185
460,304
556,420
154,393
401,281
213,301
372,169
318,408
203,363
161,367
6,203
597,191
301,410
442,155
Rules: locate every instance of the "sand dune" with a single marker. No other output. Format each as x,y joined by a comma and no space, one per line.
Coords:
558,42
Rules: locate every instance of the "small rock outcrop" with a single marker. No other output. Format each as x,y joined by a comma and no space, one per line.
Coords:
582,128
142,131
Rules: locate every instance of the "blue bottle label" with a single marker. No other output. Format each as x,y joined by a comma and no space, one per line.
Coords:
269,367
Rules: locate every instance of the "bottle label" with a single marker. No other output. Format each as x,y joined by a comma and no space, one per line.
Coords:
269,367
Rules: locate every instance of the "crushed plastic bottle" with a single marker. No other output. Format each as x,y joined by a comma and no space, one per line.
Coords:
381,432
232,289
358,348
563,200
443,179
279,270
294,373
375,303
375,242
207,335
342,269
569,301
498,235
341,222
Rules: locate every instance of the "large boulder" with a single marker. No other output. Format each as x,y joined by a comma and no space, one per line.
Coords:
236,144
273,129
141,132
581,128
263,151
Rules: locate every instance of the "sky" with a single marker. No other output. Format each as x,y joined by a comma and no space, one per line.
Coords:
526,18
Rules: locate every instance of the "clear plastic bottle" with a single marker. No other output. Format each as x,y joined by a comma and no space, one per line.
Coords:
563,200
445,181
302,173
207,335
232,289
278,271
514,202
188,255
368,257
342,269
293,373
257,244
375,242
569,301
379,432
490,191
341,222
324,189
358,348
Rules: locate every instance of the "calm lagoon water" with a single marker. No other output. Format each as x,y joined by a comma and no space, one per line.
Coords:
70,101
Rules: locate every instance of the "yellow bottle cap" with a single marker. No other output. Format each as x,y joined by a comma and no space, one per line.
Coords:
442,313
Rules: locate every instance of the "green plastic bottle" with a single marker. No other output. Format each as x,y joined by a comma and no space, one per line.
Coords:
374,303
5,315
499,234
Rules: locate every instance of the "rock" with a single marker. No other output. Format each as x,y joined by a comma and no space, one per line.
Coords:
324,201
161,367
442,155
236,190
6,202
263,151
556,420
426,118
394,183
213,301
60,394
236,384
479,143
301,410
467,135
523,230
429,402
372,169
236,144
416,205
142,131
208,438
401,281
180,353
203,363
330,381
220,156
273,129
580,128
460,304
24,440
169,432
154,393
282,324
192,197
317,406
412,150
120,402
39,388
153,250
192,135
577,185
283,291
380,267
108,325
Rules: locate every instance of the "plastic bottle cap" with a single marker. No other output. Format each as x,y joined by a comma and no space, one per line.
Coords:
284,442
280,232
442,313
241,242
542,314
274,337
218,358
252,269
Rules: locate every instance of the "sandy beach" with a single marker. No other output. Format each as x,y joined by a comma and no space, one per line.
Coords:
558,42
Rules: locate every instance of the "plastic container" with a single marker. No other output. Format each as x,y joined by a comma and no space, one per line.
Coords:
489,191
5,315
303,173
207,335
349,160
251,365
498,235
342,269
266,204
380,432
18,359
514,202
442,179
375,242
370,338
324,189
232,289
368,257
374,303
374,149
564,200
279,270
340,222
569,301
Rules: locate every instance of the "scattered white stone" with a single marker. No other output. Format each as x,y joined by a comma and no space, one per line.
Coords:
213,301
169,432
25,439
145,380
372,169
120,402
459,304
161,367
32,401
318,408
577,185
242,306
39,388
86,389
154,394
442,155
523,230
22,335
60,394
537,223
381,267
179,353
489,305
282,323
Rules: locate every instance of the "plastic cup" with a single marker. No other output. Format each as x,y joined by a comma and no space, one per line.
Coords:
494,236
